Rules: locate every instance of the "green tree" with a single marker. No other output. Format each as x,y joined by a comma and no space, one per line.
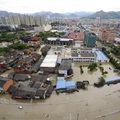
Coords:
44,52
101,80
92,66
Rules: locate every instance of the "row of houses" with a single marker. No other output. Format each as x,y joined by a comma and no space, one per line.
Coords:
29,64
10,59
21,64
37,88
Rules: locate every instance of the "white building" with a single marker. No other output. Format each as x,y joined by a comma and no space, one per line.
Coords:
100,57
32,21
4,20
49,63
16,20
42,28
22,20
85,55
27,20
10,19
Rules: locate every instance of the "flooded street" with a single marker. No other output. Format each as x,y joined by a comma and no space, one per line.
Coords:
90,104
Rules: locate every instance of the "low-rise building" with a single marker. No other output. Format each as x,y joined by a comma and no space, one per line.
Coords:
100,57
5,83
66,67
34,40
81,55
49,63
63,85
59,41
85,55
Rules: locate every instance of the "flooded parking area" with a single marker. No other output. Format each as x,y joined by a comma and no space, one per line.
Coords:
90,104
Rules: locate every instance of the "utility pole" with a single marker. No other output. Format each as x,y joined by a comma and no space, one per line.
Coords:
77,116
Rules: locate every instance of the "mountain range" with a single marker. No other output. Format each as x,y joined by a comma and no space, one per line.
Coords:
51,14
82,14
106,15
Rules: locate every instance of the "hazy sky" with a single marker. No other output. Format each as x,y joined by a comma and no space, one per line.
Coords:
61,6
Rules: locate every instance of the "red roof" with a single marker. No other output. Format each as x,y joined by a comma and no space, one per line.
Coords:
80,36
72,35
35,39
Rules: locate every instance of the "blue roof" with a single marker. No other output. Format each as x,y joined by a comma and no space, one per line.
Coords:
41,72
112,79
70,83
101,55
59,61
61,84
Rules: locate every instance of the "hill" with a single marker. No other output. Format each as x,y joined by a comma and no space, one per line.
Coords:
105,15
5,13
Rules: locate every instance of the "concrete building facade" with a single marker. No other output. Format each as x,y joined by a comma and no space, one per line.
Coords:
25,20
107,35
4,20
10,19
32,21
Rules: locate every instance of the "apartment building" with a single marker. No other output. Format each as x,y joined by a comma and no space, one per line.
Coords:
23,20
32,22
16,20
10,19
27,20
107,35
4,20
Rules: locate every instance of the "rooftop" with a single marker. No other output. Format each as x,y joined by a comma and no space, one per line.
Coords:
112,79
100,55
49,61
57,38
65,64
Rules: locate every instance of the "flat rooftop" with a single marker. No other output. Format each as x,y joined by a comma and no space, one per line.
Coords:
87,55
49,61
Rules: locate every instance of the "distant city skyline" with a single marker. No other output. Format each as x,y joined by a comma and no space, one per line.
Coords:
62,6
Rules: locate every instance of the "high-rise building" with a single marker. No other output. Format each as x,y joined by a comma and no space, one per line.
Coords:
27,20
22,20
90,39
10,19
16,20
37,20
32,21
107,35
42,20
4,20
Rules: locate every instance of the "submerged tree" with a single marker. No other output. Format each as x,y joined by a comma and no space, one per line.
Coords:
92,66
101,80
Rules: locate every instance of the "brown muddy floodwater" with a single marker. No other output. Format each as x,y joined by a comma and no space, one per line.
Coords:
90,104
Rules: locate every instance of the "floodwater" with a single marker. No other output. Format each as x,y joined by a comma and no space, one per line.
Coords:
91,76
90,104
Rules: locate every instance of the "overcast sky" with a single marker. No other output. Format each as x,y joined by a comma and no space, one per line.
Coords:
61,6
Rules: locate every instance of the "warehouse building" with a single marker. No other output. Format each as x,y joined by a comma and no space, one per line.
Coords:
49,64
